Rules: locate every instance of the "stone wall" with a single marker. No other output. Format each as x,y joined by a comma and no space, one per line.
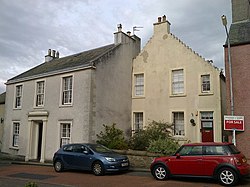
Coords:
139,159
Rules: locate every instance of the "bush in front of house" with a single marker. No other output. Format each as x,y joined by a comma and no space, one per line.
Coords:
156,137
112,137
155,132
164,146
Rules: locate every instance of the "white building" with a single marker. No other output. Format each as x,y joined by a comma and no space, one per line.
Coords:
68,99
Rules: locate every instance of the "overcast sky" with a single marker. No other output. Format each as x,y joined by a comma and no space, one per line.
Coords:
28,28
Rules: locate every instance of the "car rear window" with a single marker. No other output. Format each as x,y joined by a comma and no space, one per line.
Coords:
233,149
216,150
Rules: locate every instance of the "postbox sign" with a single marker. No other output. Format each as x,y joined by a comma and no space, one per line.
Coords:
234,123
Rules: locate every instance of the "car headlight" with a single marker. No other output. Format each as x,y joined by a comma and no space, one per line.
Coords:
110,159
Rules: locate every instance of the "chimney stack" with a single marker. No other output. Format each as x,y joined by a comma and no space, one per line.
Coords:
51,55
162,26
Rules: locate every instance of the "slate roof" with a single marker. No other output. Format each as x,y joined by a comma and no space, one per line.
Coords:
240,33
64,64
2,98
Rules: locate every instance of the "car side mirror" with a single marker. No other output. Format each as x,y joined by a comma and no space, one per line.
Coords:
178,155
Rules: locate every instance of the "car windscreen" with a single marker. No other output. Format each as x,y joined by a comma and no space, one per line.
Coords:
100,149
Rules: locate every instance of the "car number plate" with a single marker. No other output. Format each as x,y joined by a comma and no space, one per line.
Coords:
124,164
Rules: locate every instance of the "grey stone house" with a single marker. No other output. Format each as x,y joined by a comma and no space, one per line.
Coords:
68,99
2,108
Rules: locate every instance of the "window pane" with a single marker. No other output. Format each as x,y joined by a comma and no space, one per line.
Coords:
16,127
179,123
40,93
177,82
206,115
65,133
67,90
139,84
205,83
138,121
18,96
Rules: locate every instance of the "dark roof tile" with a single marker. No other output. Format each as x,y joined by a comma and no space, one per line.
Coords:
240,33
2,98
68,62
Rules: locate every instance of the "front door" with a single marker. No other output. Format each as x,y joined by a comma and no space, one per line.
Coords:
207,131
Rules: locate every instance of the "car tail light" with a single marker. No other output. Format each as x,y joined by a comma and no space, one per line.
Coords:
240,161
237,161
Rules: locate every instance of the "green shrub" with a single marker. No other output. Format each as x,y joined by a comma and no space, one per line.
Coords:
143,140
31,184
112,137
139,141
164,146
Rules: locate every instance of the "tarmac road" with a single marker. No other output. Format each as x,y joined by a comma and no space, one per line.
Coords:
16,175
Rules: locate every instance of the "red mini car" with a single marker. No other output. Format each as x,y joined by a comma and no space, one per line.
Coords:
222,161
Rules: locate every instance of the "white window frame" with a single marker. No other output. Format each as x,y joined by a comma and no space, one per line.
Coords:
40,94
179,124
68,90
178,83
18,96
205,83
138,121
65,137
15,133
139,81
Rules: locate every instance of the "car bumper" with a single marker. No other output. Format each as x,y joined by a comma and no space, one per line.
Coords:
244,170
112,167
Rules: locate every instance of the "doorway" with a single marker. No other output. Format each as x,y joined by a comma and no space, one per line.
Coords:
207,131
207,127
36,140
39,144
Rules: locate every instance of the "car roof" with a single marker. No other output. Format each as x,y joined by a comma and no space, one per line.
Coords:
208,144
86,144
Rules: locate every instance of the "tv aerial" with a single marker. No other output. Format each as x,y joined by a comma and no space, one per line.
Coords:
136,28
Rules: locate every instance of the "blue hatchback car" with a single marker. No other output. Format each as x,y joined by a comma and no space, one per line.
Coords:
91,157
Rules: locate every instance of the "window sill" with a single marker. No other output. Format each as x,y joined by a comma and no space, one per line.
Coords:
138,97
17,108
38,107
14,148
178,95
65,106
206,93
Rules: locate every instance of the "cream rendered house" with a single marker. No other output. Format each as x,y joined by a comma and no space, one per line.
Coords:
172,83
67,100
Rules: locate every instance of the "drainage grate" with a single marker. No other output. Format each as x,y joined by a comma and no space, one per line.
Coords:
31,176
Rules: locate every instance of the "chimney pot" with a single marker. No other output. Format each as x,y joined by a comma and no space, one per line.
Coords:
159,19
119,26
57,54
164,18
53,53
49,52
129,33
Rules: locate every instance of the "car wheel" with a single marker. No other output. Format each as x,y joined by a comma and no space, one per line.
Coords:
58,166
98,169
227,177
160,172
